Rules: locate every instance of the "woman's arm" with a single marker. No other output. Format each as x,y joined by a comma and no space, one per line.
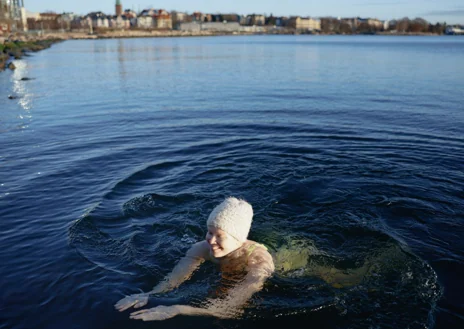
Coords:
231,305
260,267
184,268
181,272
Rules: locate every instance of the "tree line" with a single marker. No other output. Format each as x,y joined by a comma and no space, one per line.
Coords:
403,25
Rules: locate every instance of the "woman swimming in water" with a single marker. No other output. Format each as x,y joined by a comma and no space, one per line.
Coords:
226,245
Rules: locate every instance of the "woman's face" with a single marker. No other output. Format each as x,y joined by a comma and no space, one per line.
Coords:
220,242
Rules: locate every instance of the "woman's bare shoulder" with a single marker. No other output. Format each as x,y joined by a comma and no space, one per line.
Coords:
260,257
199,249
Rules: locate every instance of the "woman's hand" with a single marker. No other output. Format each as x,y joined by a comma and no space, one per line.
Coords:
137,300
156,314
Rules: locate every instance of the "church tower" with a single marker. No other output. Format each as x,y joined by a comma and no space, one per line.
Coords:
118,8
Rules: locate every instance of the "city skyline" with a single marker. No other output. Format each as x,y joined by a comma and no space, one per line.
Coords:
449,11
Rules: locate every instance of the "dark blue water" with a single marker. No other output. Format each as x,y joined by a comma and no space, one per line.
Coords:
114,154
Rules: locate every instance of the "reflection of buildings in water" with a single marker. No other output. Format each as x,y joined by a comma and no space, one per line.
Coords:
100,47
122,65
121,51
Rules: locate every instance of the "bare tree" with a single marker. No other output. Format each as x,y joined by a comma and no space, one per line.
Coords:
330,25
418,25
437,28
345,28
402,25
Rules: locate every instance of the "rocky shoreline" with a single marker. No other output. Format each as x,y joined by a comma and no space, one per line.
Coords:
17,49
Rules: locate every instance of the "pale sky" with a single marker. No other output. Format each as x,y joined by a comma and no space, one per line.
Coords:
449,11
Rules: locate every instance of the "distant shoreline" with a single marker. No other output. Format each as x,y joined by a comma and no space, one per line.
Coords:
19,44
175,33
111,34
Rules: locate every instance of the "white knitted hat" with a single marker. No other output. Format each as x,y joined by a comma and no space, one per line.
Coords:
232,216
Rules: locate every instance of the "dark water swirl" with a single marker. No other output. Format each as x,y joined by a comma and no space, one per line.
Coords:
349,210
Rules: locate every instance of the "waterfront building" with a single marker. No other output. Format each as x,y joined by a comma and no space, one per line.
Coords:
64,20
370,22
308,24
352,22
145,21
81,23
118,8
130,13
197,17
152,18
131,16
255,19
277,21
43,21
200,17
162,21
178,18
231,18
34,16
120,22
98,20
216,18
147,12
376,23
